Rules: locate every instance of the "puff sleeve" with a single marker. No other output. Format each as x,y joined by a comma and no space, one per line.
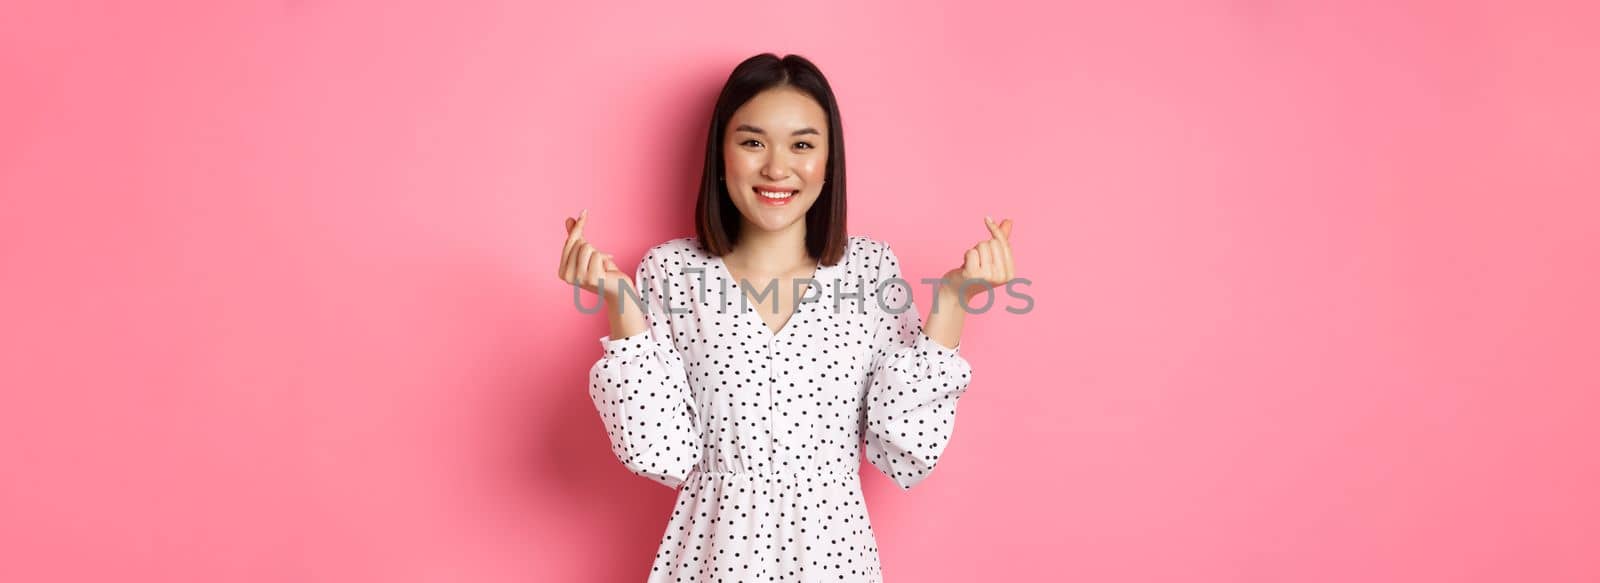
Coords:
640,389
913,384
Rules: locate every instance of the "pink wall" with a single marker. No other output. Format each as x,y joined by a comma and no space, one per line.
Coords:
1315,283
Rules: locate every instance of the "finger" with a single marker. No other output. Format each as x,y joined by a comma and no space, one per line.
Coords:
997,234
997,261
994,230
562,268
566,258
567,249
1001,257
575,232
1008,270
570,224
1005,251
597,270
971,263
584,254
566,245
991,258
570,263
1000,239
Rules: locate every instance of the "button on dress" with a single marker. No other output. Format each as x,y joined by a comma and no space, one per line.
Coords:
762,432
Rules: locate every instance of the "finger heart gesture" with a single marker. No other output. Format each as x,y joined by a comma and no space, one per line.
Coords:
587,267
987,263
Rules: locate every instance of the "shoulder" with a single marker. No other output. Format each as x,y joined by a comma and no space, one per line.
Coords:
869,251
673,255
678,246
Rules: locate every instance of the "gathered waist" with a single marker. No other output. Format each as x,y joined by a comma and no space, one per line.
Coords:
779,474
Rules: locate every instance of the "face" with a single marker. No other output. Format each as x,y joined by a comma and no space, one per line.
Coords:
775,158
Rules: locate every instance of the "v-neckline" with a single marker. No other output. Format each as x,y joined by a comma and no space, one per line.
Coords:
799,308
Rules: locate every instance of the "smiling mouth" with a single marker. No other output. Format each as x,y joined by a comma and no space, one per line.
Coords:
775,194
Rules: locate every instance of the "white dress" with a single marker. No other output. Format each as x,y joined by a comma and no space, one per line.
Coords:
763,431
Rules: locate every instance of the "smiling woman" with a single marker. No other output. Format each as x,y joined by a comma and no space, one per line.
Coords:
775,128
751,158
760,419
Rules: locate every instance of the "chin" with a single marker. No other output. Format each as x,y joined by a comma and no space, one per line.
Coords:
767,226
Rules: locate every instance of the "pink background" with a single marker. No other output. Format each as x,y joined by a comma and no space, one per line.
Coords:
1314,283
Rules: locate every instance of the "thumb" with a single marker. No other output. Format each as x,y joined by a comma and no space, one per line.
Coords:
570,223
1005,227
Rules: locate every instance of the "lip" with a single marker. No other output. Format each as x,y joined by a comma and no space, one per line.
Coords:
776,202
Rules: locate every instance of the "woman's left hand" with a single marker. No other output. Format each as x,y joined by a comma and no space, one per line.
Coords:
988,262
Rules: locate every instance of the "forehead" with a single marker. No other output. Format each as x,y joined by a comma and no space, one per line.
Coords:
781,108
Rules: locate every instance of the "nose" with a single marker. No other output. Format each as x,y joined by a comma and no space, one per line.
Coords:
775,168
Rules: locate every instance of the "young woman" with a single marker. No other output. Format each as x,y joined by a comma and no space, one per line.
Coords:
756,404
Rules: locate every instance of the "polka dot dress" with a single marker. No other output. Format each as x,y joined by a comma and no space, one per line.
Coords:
763,431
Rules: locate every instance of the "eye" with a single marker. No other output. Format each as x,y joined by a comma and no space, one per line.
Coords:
751,141
804,145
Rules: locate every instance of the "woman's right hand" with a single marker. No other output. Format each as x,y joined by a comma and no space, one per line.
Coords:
586,267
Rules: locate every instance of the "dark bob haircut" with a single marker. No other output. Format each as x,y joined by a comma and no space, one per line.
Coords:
716,219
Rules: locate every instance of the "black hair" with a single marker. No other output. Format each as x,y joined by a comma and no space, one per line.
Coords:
716,219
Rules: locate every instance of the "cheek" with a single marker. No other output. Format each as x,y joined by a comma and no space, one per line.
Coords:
815,169
739,163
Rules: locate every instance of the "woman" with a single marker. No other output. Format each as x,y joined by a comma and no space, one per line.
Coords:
756,404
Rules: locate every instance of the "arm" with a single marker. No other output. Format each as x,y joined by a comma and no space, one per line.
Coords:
914,385
949,315
984,266
640,387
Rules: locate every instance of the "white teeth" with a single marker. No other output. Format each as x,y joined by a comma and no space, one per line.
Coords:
774,195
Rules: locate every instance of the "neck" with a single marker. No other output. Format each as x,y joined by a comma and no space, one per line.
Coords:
770,253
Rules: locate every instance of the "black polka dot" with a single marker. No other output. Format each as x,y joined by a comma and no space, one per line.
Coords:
762,431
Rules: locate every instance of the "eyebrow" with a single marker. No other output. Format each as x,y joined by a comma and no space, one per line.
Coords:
755,130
